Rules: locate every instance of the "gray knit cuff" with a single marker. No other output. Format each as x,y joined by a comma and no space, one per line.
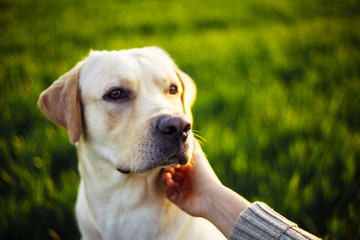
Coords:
259,221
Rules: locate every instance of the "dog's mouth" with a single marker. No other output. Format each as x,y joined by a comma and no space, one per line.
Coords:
123,171
170,161
173,160
157,152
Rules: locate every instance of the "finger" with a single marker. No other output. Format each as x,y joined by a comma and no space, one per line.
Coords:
178,176
166,176
185,168
171,188
168,169
171,170
171,185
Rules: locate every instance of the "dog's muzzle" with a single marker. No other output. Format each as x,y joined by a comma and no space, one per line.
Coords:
169,145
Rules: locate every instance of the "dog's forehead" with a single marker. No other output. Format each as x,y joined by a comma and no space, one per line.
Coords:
106,68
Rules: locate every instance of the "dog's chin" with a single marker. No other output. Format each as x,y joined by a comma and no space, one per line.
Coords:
174,160
168,162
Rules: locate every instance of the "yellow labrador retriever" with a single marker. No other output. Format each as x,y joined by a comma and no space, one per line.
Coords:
129,112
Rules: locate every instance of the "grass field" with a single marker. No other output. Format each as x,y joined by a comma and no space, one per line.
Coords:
278,101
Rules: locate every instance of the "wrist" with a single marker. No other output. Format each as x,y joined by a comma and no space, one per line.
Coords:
222,207
209,199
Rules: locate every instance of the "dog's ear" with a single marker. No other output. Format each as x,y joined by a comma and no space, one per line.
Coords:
61,103
189,92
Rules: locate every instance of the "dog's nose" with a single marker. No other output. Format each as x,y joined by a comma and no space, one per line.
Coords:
174,127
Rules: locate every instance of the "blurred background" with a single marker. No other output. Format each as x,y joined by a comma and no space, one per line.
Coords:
278,101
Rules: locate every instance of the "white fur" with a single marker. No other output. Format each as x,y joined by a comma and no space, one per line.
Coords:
112,205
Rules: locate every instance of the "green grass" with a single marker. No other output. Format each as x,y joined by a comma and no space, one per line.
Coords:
278,101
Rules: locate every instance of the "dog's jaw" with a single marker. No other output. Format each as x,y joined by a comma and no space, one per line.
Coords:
170,161
157,155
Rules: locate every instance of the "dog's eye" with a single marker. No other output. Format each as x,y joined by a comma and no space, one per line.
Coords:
173,89
116,94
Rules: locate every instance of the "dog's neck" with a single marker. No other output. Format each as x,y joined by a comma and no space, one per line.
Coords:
113,195
101,179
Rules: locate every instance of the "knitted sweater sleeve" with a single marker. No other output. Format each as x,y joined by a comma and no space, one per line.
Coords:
259,221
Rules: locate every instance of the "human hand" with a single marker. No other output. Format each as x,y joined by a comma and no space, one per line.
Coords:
189,186
196,189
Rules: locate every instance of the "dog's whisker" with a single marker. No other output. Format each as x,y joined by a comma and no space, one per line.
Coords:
199,138
196,131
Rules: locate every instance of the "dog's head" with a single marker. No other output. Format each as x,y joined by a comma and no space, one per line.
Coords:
130,107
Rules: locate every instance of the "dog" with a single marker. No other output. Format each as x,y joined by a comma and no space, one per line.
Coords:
129,114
